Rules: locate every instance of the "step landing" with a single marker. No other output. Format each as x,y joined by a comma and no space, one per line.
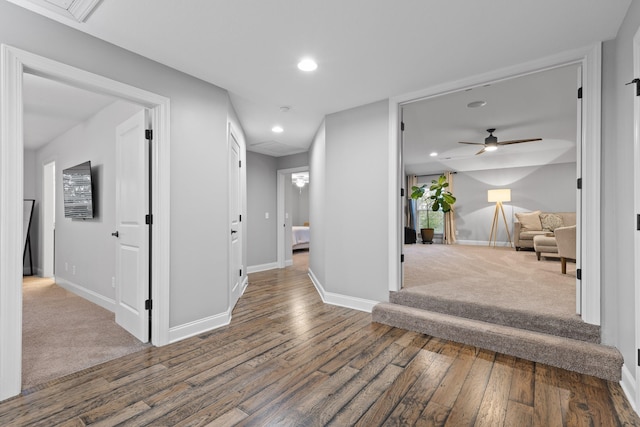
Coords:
574,355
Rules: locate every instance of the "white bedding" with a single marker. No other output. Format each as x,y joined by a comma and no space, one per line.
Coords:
300,237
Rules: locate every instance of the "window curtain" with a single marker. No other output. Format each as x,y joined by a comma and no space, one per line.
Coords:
449,217
412,211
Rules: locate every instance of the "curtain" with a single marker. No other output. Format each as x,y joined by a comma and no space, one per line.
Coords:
449,217
412,212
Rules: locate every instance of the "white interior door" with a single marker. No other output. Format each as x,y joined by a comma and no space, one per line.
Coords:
235,209
132,232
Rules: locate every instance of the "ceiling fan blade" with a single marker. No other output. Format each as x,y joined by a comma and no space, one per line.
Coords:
472,143
518,141
481,151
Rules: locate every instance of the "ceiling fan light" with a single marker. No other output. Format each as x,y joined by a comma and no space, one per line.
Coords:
491,148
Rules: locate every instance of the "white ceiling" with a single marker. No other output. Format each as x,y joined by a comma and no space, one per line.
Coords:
51,108
367,50
541,105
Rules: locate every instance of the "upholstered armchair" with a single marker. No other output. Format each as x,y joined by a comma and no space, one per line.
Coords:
566,241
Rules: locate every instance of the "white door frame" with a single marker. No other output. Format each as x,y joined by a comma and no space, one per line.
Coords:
591,59
48,218
282,175
15,62
629,384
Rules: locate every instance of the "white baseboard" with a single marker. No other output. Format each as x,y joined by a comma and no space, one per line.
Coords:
481,243
178,333
262,267
630,387
94,297
331,298
288,263
244,285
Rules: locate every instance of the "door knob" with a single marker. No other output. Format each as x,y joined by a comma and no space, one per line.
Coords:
115,234
233,231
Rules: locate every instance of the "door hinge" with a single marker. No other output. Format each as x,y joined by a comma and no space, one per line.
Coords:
401,257
240,272
239,218
148,134
239,163
637,83
639,357
402,126
402,192
579,93
637,221
579,183
148,219
579,274
148,305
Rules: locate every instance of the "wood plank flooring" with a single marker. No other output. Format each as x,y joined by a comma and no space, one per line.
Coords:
287,359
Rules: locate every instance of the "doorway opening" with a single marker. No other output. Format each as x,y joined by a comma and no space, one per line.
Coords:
15,63
536,162
589,59
293,213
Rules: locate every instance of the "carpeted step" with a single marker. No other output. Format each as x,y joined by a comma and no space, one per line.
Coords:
573,355
562,326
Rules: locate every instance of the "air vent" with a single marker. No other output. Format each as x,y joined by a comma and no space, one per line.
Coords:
77,10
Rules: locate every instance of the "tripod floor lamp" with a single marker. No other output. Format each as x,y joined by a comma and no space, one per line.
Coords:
498,196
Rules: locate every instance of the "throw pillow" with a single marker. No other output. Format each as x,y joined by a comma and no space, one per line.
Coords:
551,221
530,220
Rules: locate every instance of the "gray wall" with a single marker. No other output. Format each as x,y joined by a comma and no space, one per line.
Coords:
317,198
261,198
550,188
356,241
618,215
87,244
293,161
199,114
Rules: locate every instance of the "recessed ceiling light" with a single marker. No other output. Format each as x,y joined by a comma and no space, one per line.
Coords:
476,104
433,154
277,129
307,64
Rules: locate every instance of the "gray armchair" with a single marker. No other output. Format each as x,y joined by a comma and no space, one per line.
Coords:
566,241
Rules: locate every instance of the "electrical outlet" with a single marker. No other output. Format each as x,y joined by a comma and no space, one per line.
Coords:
74,270
266,215
113,282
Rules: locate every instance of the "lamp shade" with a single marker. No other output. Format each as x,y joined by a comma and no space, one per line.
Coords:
499,195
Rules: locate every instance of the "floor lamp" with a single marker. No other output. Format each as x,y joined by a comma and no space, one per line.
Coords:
498,196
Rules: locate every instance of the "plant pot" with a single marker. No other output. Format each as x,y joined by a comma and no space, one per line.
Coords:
427,235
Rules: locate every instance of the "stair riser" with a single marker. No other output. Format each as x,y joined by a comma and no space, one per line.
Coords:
586,358
577,330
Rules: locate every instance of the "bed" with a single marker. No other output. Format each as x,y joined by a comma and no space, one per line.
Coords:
300,237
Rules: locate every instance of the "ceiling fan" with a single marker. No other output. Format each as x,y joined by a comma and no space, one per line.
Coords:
491,142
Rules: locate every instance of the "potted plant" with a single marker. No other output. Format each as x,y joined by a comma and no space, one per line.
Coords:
440,199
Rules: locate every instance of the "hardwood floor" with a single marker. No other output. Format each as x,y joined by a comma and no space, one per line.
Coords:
289,359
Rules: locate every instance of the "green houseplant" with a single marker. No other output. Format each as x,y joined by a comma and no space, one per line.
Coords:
440,199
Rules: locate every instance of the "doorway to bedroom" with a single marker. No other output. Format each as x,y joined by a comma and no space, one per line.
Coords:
294,229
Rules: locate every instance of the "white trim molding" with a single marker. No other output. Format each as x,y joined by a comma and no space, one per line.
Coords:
280,214
634,397
629,386
262,267
590,58
89,295
178,333
15,62
340,300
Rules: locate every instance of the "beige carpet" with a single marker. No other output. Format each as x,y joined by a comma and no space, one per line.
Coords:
502,277
63,333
